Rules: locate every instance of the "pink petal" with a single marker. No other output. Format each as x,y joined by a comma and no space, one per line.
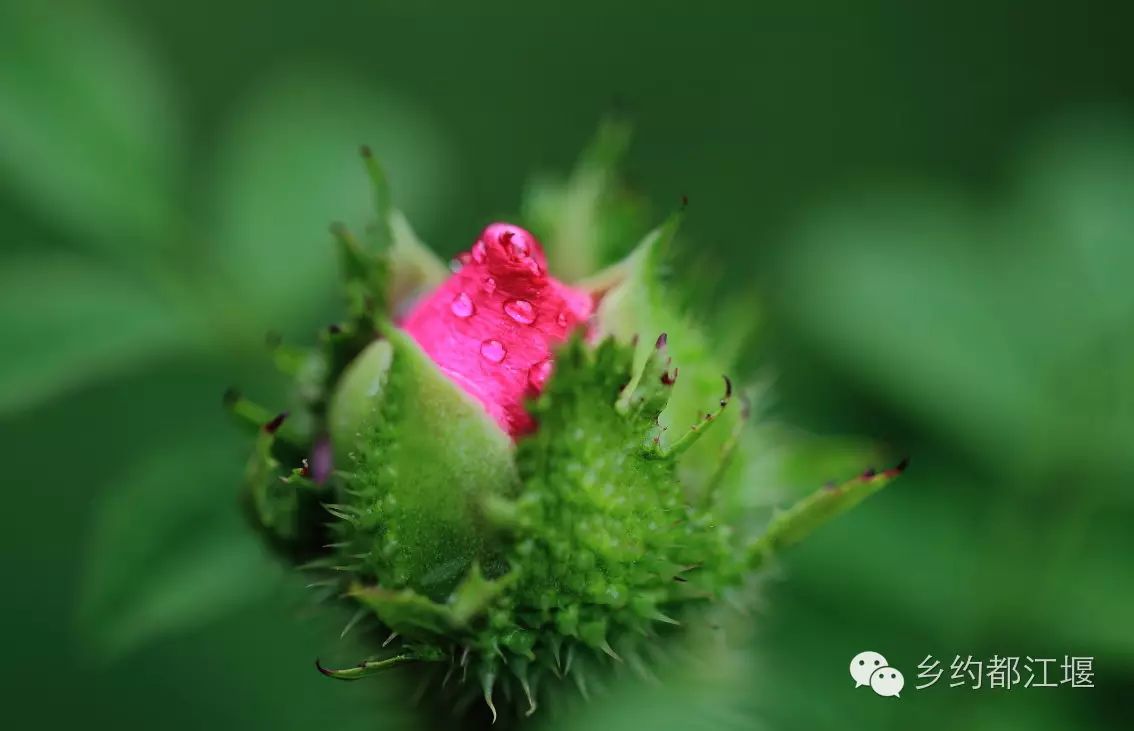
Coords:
491,326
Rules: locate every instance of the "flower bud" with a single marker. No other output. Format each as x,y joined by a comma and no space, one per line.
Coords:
522,482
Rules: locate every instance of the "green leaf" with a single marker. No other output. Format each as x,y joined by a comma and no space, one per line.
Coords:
893,287
1007,331
1076,188
66,322
169,550
289,165
89,133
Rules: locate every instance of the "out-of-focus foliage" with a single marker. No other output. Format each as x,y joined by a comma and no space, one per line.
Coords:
90,131
167,550
931,205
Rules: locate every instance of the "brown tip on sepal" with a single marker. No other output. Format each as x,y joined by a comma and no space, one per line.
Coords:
869,472
684,202
662,341
727,390
230,397
323,670
365,151
898,468
668,379
272,426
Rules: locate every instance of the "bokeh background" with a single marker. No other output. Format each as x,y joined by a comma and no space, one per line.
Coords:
933,204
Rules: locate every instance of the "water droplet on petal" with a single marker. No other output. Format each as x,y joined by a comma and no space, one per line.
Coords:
493,350
479,251
562,319
521,311
455,265
462,306
539,373
489,285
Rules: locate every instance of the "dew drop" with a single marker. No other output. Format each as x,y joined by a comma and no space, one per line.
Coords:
455,265
479,252
462,306
539,373
489,285
521,311
562,319
493,350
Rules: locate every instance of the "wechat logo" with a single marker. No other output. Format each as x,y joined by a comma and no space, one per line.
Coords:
870,668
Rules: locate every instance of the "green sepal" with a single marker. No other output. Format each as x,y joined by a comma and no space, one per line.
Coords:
282,501
381,233
421,456
414,268
365,274
587,220
392,266
356,397
797,522
405,611
412,615
636,303
410,267
373,666
648,392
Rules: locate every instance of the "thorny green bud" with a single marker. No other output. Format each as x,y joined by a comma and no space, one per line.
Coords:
518,481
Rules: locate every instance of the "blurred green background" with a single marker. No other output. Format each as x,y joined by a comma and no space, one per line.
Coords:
935,206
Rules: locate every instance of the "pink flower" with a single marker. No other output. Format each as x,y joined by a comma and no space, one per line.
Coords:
492,325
